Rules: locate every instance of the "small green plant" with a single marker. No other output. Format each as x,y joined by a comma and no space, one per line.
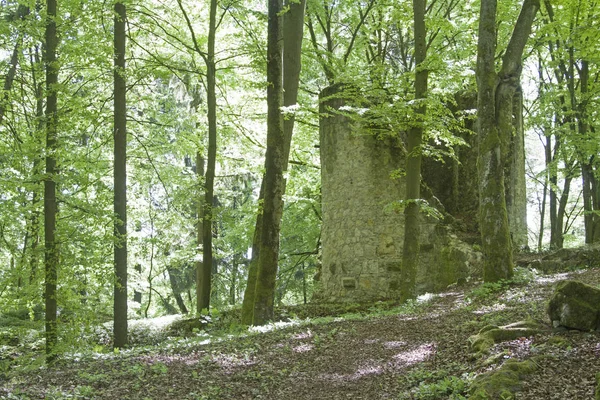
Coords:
86,392
449,387
159,368
488,290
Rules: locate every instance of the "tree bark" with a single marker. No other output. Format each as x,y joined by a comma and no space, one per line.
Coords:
22,12
199,232
292,46
274,167
410,254
50,204
209,181
496,94
120,179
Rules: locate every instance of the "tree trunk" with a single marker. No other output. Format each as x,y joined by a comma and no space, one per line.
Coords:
174,280
590,201
274,167
50,204
292,42
120,179
410,254
249,293
199,233
22,12
209,182
495,104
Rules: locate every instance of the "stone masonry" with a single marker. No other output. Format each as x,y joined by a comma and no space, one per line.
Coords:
362,236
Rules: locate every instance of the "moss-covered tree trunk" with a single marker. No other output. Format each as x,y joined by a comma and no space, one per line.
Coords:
495,104
274,166
205,281
120,179
410,253
293,26
50,205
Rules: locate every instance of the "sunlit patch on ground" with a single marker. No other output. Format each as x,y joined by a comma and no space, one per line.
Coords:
394,344
410,357
546,279
489,309
303,335
273,326
363,371
231,361
303,348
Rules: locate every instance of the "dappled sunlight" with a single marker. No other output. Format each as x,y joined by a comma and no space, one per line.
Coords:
273,326
547,279
489,309
394,344
303,348
230,361
303,335
367,369
416,355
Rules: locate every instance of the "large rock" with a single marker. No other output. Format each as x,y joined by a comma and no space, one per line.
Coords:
575,305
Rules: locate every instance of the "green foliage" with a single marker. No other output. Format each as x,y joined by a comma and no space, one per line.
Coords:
431,384
521,277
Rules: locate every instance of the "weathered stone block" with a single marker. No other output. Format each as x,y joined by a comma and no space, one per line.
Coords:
349,283
575,305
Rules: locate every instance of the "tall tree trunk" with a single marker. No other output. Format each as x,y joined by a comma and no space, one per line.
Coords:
410,253
37,165
209,181
175,281
553,183
249,293
495,104
292,46
199,233
591,220
50,204
22,12
274,166
120,179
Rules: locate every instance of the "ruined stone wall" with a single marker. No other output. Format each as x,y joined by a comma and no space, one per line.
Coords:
362,236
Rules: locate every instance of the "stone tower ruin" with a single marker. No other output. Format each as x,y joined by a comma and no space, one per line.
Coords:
362,236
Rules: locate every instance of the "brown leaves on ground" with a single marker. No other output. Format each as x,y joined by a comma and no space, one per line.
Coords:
376,357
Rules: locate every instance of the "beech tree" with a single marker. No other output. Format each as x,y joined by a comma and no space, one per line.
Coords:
51,260
292,31
410,253
498,92
120,178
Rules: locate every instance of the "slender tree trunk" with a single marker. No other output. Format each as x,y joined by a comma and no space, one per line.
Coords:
37,166
559,235
50,204
591,220
274,167
495,104
22,12
120,179
292,46
410,254
209,181
553,182
175,282
199,234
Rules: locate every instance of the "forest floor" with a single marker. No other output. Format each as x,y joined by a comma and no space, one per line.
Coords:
418,350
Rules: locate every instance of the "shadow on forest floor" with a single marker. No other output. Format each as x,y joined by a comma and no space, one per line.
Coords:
417,350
